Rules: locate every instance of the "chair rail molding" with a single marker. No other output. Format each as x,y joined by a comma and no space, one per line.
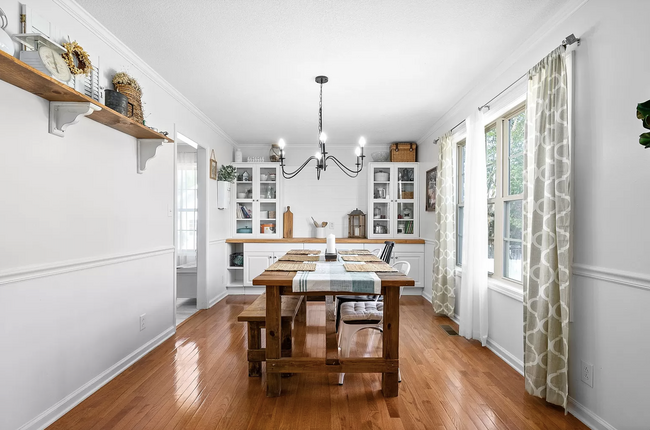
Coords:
41,271
99,30
621,277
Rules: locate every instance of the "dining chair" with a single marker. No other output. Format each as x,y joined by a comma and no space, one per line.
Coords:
386,253
357,316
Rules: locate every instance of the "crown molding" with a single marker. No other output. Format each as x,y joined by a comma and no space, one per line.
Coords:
98,29
513,61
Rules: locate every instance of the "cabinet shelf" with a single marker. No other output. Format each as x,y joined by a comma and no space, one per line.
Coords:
19,74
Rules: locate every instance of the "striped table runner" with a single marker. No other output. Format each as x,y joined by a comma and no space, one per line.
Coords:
334,277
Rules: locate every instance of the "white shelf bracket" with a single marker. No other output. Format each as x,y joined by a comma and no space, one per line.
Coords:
147,150
65,114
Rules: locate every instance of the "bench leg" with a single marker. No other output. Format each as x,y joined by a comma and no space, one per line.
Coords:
254,342
302,311
273,339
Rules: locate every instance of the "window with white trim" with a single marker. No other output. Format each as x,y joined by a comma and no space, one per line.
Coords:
187,199
504,150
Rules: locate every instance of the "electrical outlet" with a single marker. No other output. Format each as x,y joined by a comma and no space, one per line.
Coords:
170,211
143,324
587,373
331,226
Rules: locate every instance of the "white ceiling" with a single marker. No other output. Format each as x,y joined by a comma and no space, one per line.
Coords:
395,67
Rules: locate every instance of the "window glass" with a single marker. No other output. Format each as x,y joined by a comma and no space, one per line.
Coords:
516,141
491,161
491,237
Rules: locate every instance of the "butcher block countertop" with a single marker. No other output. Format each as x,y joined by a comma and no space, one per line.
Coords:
314,240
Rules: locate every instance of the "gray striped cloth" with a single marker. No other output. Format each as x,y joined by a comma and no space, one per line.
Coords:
333,277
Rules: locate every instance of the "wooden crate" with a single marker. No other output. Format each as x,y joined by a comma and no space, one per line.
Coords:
403,152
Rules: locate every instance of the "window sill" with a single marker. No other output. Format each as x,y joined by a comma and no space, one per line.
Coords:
513,291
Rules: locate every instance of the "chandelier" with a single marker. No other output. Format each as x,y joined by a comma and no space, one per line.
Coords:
322,156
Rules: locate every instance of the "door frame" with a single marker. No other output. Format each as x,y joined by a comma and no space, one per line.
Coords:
202,232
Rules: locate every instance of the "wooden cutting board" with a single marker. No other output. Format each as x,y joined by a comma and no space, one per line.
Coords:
288,223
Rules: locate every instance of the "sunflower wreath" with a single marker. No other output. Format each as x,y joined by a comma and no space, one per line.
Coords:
82,66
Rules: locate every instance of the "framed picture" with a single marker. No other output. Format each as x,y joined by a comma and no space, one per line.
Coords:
430,197
213,166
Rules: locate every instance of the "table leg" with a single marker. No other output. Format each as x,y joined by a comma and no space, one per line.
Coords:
254,342
391,339
273,338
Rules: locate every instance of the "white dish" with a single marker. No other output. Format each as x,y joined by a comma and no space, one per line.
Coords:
381,176
241,195
263,177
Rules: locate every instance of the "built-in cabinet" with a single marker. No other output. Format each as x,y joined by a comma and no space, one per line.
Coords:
256,212
393,201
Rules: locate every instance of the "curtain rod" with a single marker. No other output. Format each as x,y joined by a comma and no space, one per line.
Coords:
569,40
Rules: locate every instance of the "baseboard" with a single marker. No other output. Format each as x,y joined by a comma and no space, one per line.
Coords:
73,399
427,296
412,291
506,356
217,299
587,416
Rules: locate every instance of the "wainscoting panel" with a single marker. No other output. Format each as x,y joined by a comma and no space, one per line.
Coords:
73,327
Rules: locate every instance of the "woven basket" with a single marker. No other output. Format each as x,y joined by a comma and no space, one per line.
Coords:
407,195
134,110
403,152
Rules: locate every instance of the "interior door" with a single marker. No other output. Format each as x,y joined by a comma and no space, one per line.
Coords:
255,262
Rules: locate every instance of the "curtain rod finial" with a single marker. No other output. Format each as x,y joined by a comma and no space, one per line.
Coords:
570,40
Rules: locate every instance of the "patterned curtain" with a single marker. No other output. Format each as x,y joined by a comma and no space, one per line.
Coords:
547,216
444,256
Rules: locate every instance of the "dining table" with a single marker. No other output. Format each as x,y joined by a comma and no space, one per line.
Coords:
331,283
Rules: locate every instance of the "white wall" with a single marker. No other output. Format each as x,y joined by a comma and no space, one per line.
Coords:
86,243
611,273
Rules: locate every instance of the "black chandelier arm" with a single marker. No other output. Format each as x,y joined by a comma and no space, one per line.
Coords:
345,169
290,175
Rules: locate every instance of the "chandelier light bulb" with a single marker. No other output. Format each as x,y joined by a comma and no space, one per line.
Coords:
318,155
323,137
362,141
281,143
357,151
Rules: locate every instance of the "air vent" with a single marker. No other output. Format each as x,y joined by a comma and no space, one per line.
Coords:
449,330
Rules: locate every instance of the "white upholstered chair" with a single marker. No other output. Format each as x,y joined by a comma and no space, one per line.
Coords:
357,316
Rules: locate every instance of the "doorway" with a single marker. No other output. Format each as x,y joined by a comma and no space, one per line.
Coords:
190,228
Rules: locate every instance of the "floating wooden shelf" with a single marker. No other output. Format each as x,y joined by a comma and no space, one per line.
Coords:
17,73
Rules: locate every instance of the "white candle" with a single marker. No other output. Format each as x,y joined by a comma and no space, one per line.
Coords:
331,244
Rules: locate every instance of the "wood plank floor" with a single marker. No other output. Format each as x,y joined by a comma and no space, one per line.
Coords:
198,380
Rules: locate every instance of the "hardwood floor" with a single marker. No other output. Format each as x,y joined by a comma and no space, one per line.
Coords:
198,379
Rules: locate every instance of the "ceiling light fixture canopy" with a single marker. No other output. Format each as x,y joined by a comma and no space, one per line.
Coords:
321,157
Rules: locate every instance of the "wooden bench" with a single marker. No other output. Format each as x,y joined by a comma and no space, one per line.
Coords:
293,307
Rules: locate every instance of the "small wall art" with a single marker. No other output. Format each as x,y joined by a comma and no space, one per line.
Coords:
430,197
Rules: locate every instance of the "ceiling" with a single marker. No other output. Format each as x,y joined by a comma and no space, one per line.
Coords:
394,67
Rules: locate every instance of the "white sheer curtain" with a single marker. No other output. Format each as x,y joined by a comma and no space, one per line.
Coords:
186,164
473,292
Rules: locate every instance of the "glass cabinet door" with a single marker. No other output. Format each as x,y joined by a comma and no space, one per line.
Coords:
244,201
381,201
268,200
405,194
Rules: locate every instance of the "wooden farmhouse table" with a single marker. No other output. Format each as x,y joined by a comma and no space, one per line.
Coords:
280,283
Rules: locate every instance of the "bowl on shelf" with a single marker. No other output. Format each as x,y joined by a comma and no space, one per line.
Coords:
380,156
241,195
272,177
264,177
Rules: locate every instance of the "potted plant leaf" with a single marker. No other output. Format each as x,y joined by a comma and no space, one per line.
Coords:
643,113
227,175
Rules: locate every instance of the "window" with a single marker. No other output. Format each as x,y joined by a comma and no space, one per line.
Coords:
504,150
504,143
187,207
460,202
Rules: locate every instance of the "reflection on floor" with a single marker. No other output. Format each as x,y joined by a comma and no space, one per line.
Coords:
198,379
185,308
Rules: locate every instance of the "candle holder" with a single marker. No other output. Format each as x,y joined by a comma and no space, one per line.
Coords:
331,257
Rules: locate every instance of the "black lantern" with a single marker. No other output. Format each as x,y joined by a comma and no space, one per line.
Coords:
357,224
